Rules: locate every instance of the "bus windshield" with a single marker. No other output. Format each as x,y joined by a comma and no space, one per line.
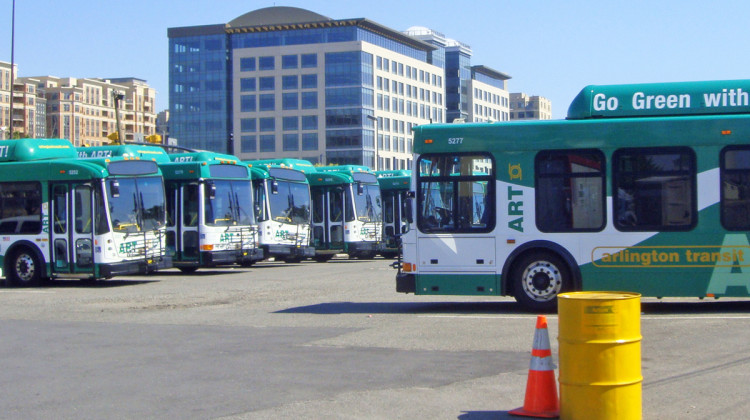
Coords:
136,204
291,203
368,206
230,206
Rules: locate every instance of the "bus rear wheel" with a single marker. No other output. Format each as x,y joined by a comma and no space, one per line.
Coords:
24,269
538,278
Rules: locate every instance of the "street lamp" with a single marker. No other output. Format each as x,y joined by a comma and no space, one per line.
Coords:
377,145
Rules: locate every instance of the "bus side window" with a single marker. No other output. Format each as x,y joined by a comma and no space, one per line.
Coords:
735,187
569,190
655,189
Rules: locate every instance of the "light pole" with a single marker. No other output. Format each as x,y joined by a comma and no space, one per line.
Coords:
377,145
12,63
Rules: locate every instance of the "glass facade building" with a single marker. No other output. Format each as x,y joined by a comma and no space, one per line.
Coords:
287,82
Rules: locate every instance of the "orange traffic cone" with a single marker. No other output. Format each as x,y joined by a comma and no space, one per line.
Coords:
541,390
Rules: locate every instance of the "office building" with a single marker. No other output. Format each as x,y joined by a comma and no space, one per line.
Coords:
525,107
22,114
86,111
298,84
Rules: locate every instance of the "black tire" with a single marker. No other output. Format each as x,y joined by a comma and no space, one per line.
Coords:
188,270
538,277
323,258
24,268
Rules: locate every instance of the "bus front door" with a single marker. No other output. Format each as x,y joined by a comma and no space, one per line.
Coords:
72,230
188,244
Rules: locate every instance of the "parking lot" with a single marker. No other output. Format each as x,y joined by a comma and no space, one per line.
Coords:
325,340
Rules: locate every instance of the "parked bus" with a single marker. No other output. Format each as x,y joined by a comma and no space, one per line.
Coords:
347,212
643,188
65,217
283,208
211,220
394,188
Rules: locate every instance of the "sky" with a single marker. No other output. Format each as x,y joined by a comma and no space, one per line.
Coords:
549,48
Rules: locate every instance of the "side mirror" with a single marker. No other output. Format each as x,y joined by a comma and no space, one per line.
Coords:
114,188
360,188
274,187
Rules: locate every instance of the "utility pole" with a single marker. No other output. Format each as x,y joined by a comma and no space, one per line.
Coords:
12,62
375,121
118,96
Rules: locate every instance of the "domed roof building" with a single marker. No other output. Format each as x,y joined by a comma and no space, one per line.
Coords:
288,82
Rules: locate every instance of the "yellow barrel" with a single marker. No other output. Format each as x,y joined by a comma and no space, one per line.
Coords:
600,355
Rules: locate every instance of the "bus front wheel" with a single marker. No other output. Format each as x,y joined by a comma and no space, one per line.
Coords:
538,278
24,270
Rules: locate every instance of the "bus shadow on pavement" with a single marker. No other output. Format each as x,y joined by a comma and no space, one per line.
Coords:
469,308
91,284
695,307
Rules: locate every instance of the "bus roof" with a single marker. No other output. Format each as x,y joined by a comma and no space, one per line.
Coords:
392,173
328,178
298,164
203,156
351,169
157,154
24,150
661,99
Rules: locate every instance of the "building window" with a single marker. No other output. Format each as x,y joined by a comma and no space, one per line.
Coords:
310,141
266,83
267,124
654,189
247,64
309,100
267,102
309,81
248,125
291,123
309,122
289,61
291,142
309,60
247,103
247,84
267,143
266,63
289,82
290,101
570,190
248,144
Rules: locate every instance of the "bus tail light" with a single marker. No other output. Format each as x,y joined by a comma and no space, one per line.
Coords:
408,267
208,247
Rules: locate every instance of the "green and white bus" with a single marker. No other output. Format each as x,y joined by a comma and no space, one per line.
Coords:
347,212
210,208
643,188
394,188
283,208
66,217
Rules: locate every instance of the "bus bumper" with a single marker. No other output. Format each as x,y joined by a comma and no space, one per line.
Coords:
135,267
289,251
214,258
365,249
406,283
255,254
